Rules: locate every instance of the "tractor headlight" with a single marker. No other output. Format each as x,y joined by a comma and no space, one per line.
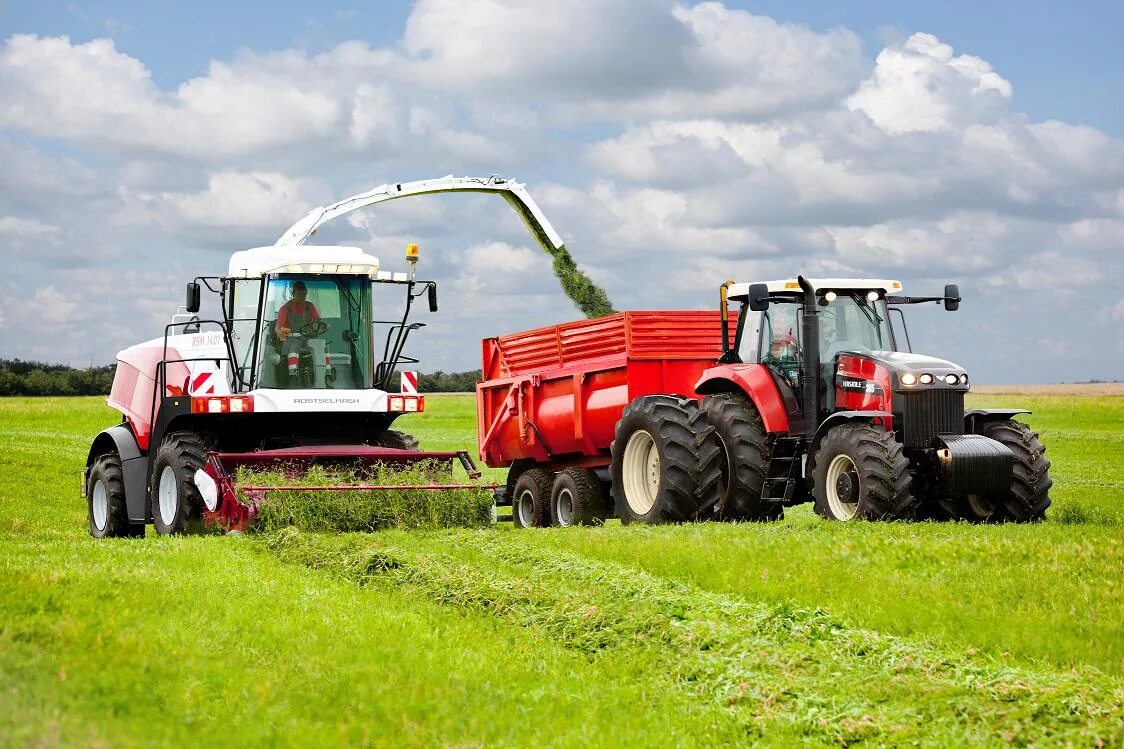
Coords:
951,379
926,379
909,378
829,297
964,379
872,296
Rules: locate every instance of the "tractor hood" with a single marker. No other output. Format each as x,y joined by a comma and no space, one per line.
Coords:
901,362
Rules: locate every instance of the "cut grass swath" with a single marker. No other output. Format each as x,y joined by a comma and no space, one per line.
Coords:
365,509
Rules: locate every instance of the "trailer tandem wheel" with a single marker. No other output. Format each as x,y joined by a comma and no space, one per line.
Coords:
530,503
577,498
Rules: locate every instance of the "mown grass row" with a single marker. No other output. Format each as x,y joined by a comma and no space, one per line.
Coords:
768,670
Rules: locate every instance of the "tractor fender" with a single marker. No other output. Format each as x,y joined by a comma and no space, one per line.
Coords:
134,467
841,417
755,381
972,419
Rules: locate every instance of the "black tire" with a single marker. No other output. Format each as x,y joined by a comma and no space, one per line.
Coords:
177,507
870,478
744,461
106,510
577,498
682,482
530,503
398,441
1028,497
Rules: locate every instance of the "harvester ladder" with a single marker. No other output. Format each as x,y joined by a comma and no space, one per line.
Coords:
783,471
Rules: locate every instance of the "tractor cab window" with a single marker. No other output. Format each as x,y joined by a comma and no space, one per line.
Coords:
851,323
315,332
244,323
780,340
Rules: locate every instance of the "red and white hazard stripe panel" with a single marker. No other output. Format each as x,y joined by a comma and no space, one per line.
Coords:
203,383
410,383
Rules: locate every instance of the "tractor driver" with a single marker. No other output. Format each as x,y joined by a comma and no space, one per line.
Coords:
295,314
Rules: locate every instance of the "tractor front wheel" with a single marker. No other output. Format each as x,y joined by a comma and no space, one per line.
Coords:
1027,498
577,498
662,467
105,500
530,504
859,472
176,505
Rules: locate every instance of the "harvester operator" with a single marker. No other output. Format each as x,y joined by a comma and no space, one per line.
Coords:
296,314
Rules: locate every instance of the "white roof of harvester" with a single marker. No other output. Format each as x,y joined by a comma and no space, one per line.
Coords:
791,285
302,259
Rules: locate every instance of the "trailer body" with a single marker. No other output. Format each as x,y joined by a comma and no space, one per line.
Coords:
554,395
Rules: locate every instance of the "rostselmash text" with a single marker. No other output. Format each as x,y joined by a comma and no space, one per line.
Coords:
326,401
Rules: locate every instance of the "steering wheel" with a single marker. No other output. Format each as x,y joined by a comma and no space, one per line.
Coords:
313,328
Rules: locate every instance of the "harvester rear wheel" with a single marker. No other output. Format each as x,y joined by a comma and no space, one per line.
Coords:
744,459
577,498
105,500
659,472
1029,494
176,505
860,472
530,504
398,440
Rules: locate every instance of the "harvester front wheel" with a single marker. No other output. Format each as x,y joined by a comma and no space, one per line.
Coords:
659,473
745,448
530,504
105,500
860,472
176,504
577,498
398,440
1029,494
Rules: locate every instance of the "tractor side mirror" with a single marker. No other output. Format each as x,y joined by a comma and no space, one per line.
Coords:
192,297
432,291
758,297
951,297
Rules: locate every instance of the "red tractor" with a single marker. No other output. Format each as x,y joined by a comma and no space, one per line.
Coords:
287,372
815,400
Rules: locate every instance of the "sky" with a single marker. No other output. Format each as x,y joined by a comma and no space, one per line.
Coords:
673,145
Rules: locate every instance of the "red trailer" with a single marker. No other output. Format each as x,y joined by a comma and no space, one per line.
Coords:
552,398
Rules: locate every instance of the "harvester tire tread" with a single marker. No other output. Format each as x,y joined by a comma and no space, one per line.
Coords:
106,468
399,441
185,452
689,471
884,478
1029,495
533,487
745,449
587,497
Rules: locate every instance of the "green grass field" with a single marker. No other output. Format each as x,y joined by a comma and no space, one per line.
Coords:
802,631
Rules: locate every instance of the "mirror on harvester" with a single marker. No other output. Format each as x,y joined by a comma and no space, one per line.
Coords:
951,297
758,297
433,297
192,297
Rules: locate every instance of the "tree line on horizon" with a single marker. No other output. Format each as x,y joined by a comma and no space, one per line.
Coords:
19,377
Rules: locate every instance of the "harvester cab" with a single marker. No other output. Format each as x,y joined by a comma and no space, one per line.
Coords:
293,370
817,399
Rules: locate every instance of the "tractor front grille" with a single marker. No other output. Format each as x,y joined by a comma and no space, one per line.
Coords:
927,413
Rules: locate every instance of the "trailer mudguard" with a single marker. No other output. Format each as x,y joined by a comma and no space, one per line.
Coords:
840,417
134,466
755,381
972,419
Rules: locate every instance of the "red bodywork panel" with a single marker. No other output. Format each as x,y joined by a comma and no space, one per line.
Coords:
756,382
133,384
862,385
555,394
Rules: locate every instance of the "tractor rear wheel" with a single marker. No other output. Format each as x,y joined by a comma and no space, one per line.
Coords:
744,460
530,504
577,498
105,500
176,505
664,460
859,472
1029,494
